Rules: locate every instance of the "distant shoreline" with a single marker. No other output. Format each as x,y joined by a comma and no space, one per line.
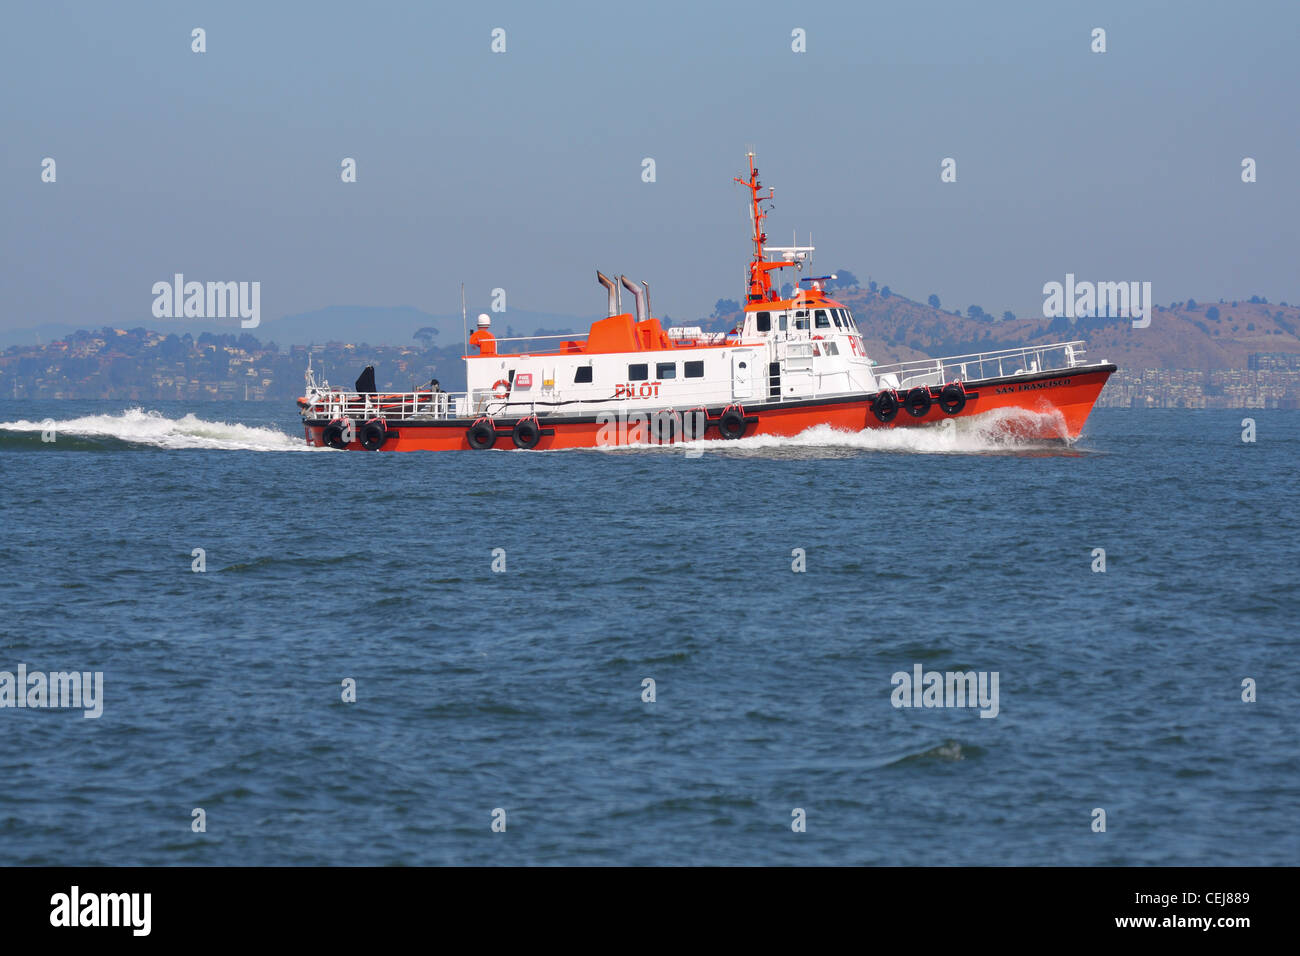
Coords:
143,365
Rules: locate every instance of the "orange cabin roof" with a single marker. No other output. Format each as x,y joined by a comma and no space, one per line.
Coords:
811,298
618,333
622,333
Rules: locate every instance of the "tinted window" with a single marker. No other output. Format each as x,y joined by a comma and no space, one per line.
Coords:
638,373
823,320
764,321
695,370
839,320
583,374
832,348
666,370
801,320
785,321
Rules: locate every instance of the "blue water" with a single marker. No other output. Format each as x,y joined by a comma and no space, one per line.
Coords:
522,690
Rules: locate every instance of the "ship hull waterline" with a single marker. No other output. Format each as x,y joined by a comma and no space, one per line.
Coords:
1060,401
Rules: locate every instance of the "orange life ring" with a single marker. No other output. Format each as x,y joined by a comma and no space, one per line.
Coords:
498,384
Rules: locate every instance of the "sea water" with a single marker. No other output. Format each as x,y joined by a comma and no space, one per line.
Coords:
645,656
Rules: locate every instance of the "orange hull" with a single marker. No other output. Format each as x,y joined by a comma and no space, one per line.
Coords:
1062,400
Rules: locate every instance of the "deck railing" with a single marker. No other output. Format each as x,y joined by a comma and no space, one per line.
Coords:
998,363
326,402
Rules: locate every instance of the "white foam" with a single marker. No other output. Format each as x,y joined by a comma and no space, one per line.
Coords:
1003,429
153,428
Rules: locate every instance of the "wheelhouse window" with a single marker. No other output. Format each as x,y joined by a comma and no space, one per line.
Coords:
638,373
823,320
838,318
783,321
666,370
801,320
694,369
763,321
582,375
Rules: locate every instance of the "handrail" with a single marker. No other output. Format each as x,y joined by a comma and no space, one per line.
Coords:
527,338
704,339
960,366
984,356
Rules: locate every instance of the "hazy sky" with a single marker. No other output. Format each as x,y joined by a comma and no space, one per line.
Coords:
522,170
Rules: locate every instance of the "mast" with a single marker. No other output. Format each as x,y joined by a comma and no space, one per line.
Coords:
760,284
760,279
756,212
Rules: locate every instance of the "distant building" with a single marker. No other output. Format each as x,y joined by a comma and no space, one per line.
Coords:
1273,361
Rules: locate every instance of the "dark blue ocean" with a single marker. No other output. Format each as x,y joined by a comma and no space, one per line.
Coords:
522,690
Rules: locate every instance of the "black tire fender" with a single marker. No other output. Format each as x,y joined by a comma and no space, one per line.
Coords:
482,434
694,424
665,425
952,398
332,435
373,434
731,425
918,402
526,433
885,405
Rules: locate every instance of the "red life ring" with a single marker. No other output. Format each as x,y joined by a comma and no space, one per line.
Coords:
498,384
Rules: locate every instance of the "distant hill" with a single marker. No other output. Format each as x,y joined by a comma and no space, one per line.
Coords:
340,323
1201,335
895,328
396,326
1187,336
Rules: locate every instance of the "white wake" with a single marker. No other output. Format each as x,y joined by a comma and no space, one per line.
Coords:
999,430
138,426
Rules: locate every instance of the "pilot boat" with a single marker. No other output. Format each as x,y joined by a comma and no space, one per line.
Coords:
790,364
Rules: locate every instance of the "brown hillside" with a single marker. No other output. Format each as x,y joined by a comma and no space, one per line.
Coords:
896,328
